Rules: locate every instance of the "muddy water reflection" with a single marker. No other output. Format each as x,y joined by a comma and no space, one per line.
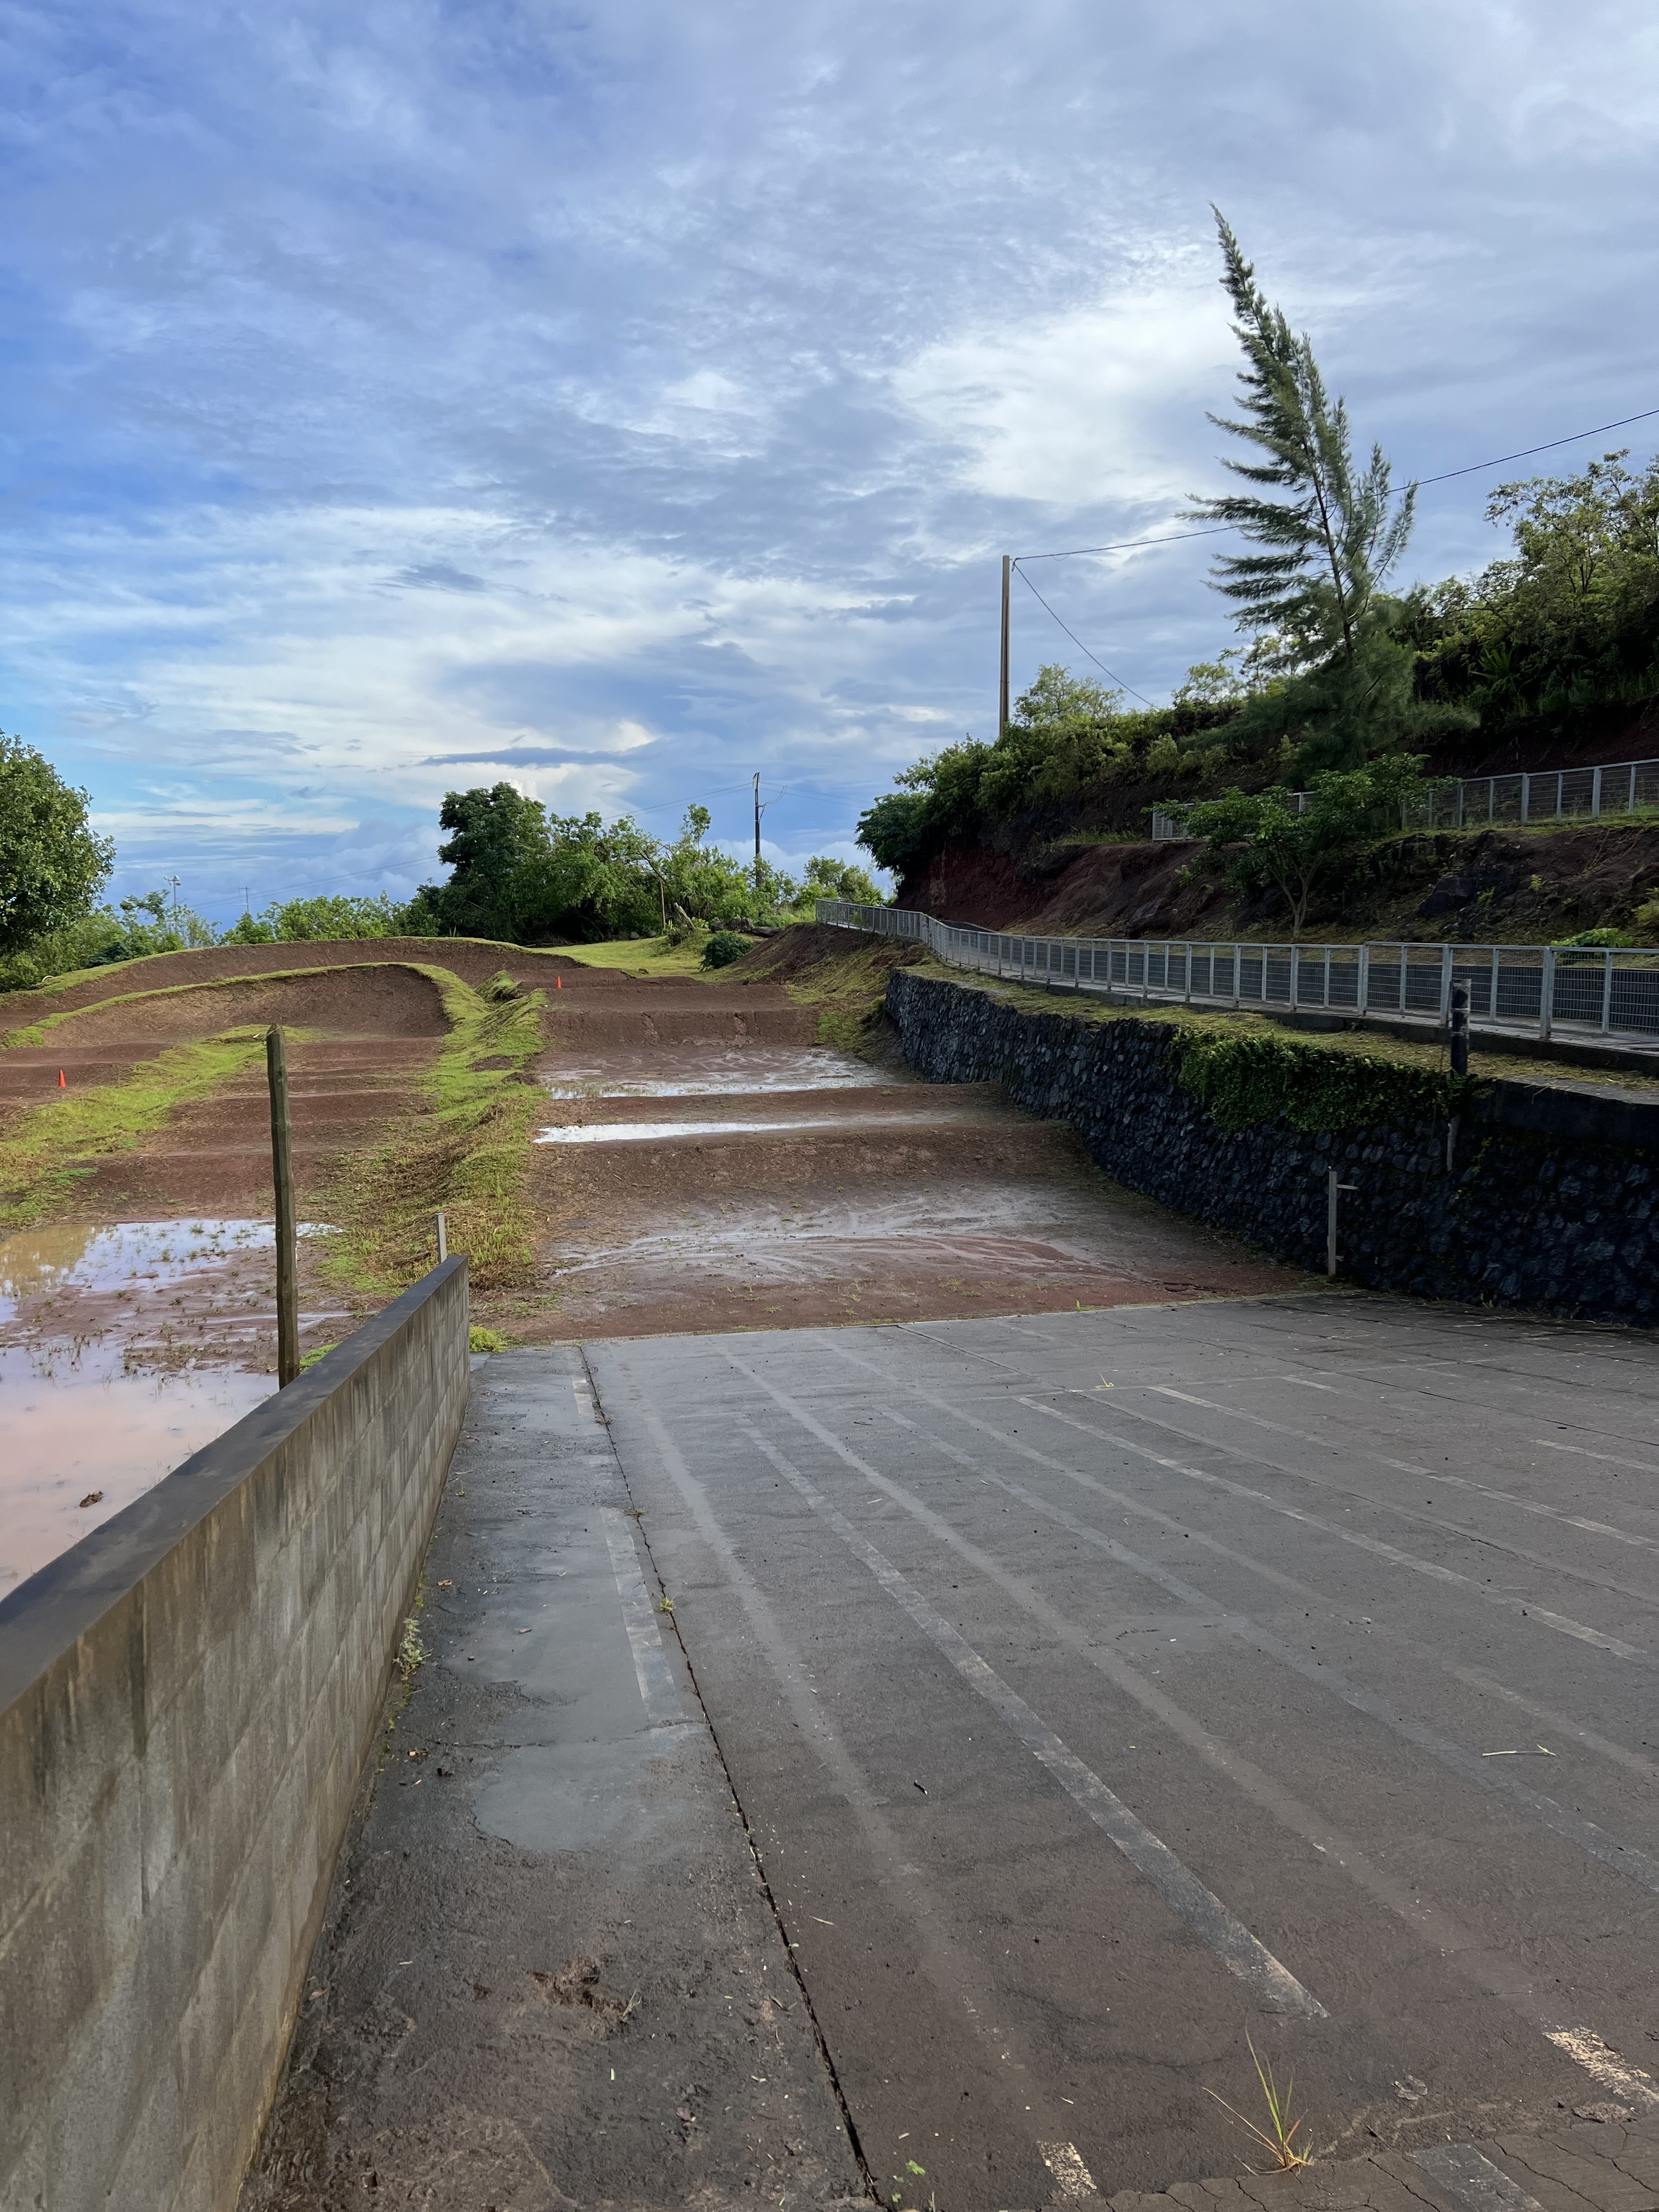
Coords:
710,1071
74,1424
143,1257
108,1372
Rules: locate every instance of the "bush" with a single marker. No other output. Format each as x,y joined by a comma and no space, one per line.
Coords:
724,947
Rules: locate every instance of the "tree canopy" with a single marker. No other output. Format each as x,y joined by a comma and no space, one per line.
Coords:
52,864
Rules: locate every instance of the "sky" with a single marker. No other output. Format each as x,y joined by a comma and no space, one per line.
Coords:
619,400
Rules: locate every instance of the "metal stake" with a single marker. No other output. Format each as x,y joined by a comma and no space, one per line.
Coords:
1460,1029
1332,1188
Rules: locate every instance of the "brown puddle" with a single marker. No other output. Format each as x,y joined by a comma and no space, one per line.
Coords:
85,1434
124,1348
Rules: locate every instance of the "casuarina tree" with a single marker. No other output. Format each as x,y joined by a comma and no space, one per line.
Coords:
1325,531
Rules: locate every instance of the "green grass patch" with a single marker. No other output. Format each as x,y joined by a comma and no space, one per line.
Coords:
49,1149
467,1154
641,956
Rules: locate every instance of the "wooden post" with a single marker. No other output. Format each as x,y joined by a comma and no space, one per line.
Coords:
282,1177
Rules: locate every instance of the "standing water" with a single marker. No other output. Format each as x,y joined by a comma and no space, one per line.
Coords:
123,1349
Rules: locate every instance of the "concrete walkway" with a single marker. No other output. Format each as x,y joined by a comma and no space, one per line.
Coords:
1082,1702
551,1974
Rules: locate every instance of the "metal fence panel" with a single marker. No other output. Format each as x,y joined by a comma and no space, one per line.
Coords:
1572,794
1584,989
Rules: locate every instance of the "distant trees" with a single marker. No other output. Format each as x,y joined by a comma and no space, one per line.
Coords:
52,864
523,875
320,919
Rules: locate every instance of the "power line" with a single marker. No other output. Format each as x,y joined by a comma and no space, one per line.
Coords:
1527,452
1128,544
1078,643
1177,538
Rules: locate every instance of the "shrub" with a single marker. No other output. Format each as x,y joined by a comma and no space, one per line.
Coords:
724,947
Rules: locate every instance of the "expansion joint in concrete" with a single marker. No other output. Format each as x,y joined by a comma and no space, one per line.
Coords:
818,2037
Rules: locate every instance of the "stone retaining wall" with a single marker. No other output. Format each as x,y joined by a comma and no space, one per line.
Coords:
187,1698
1548,1202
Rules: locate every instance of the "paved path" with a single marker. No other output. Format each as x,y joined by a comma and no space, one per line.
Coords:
1101,1694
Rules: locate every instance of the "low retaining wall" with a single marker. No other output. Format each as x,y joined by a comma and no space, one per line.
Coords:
1549,1201
186,1701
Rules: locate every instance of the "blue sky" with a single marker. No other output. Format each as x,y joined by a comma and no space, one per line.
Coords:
622,399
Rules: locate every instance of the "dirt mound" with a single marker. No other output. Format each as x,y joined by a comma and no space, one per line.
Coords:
385,1001
799,954
475,960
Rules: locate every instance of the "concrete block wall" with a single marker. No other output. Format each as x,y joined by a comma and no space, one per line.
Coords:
187,1698
1550,1198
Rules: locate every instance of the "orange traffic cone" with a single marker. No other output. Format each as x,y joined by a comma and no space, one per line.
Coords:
62,1085
558,982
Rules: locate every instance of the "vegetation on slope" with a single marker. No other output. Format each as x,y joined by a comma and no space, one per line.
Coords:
466,1153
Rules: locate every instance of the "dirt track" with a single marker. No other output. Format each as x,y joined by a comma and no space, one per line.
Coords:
706,1163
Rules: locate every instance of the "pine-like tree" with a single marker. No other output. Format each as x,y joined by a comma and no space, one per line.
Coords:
1328,545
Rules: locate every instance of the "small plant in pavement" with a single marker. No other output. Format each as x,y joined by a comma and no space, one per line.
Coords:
1277,2136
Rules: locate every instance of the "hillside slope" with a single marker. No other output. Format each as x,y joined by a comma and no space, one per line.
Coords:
1486,886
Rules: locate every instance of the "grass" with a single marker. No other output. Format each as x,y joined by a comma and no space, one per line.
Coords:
641,955
467,1154
48,1151
1279,2135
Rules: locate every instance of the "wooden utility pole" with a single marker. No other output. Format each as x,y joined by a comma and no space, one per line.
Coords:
282,1177
757,851
1002,682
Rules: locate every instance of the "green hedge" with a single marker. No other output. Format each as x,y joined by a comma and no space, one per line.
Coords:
1244,1079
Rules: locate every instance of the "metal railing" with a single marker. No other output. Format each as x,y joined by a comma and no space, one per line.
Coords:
1556,794
1542,988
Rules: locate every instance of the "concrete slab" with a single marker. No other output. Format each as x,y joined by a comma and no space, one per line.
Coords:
551,1974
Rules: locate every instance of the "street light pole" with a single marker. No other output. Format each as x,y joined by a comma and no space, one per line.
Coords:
1002,682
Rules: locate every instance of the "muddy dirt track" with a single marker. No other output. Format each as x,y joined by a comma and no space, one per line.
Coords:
703,1161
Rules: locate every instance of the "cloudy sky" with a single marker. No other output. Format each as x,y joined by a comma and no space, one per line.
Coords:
622,398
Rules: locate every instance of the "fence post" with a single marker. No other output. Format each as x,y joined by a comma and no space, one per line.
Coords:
1445,982
443,1239
1296,971
1460,1029
1526,798
282,1177
1361,1002
1607,994
1595,791
1546,992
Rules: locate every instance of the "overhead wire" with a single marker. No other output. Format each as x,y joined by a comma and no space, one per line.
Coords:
1177,538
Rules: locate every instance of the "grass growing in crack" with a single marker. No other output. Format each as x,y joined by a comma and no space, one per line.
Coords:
1279,2135
410,1652
52,1146
468,1154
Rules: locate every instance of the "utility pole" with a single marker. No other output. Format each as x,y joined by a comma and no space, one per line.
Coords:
757,855
1002,683
282,1177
